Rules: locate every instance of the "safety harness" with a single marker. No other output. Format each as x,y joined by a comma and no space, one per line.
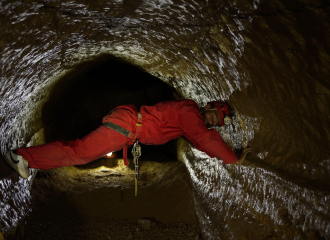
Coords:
133,136
134,139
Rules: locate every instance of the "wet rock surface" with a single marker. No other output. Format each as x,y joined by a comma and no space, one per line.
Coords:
270,60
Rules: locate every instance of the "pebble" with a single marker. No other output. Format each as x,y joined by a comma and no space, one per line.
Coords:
144,224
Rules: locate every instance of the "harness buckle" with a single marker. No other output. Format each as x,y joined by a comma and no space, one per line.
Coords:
136,152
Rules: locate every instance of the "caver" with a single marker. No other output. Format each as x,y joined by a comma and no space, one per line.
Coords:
152,125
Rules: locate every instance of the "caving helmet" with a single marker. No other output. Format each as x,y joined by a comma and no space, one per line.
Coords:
224,111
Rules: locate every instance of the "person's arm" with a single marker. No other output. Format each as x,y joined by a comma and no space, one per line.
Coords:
207,140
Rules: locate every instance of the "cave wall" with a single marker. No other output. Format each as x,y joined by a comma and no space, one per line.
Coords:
269,60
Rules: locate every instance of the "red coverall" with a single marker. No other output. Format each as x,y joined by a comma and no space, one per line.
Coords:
160,123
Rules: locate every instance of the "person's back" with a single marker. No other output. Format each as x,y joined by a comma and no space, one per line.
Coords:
163,121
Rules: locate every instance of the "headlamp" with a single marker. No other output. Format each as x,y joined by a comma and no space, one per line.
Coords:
227,120
224,111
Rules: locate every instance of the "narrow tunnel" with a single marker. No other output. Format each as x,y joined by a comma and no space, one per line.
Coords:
75,107
65,64
80,99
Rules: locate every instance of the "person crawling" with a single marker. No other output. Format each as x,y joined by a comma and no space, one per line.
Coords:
152,125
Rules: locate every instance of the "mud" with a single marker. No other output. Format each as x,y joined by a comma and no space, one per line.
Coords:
109,230
114,212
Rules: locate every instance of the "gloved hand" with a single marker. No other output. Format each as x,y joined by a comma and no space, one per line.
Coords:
242,156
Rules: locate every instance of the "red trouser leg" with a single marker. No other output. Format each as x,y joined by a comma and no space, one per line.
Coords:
67,153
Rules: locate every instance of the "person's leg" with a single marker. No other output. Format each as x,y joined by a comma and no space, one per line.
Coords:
18,163
67,153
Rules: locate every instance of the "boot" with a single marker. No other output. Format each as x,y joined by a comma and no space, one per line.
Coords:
18,163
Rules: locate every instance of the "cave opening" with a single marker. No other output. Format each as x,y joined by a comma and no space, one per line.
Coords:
91,200
80,100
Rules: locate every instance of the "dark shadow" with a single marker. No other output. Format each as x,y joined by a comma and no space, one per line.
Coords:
6,171
83,97
52,218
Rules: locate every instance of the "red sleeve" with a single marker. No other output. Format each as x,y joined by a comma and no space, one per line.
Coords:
207,140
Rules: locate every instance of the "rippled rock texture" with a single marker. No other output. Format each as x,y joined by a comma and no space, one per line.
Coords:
270,60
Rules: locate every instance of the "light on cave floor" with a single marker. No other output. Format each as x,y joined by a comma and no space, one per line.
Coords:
108,155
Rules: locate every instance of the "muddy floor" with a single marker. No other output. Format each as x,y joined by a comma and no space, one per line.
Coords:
163,210
116,229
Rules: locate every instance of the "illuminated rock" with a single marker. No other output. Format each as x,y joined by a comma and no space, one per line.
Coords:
268,59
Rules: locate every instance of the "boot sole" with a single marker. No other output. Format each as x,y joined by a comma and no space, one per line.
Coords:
15,167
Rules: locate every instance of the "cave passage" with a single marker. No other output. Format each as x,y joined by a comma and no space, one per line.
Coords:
97,199
83,97
269,59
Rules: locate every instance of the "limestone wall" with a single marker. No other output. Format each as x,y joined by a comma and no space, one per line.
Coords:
270,60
